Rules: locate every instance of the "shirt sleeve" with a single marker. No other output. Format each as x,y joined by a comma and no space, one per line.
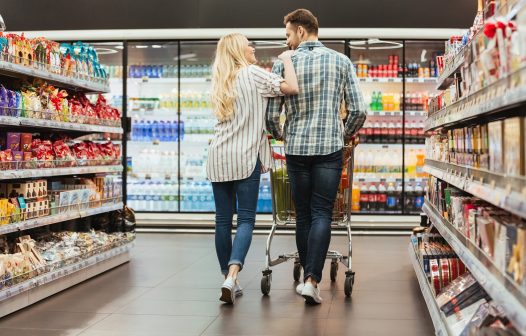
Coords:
354,103
268,84
274,106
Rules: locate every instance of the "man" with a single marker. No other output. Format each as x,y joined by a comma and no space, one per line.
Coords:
314,137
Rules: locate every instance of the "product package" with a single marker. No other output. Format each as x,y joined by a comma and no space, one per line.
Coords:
514,146
496,146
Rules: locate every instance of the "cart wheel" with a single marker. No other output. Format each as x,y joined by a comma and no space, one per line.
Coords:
334,271
349,283
265,284
297,271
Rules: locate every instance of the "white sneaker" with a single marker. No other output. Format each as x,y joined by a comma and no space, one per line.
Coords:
299,288
228,291
311,294
238,290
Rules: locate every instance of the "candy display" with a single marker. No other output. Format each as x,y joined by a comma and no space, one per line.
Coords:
22,151
78,60
56,250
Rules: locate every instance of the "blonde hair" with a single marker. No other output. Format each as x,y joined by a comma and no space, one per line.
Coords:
230,58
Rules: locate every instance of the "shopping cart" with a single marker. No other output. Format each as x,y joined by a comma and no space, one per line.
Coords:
283,213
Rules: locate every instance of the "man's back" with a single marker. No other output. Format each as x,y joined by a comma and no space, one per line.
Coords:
313,125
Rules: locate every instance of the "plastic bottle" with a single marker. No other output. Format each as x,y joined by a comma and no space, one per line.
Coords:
409,198
392,199
181,130
399,196
373,197
420,161
364,198
355,198
419,197
381,198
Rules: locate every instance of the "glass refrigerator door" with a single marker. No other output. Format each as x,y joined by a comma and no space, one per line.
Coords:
196,125
378,180
420,84
153,156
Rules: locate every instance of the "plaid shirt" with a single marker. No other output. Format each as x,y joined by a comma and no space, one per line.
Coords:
313,124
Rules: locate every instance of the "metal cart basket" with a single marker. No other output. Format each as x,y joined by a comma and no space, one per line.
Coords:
283,213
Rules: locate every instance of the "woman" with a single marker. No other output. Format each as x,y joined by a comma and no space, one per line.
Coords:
240,151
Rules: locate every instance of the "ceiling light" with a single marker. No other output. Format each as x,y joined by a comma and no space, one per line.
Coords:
141,46
185,56
105,51
375,44
156,46
119,47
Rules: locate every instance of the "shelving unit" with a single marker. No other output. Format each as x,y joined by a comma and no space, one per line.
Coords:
44,172
95,85
58,125
438,318
40,287
500,287
502,95
446,78
506,192
51,281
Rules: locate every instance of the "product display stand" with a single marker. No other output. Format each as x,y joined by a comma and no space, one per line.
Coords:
468,105
54,278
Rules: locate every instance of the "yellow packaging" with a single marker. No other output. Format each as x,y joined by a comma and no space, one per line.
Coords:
514,146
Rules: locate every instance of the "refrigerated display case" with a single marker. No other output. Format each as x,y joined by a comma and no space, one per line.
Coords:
167,90
396,77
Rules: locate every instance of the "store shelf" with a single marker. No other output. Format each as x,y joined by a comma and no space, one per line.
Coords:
504,94
438,318
398,113
503,290
506,192
58,125
446,78
430,80
45,172
175,80
38,288
48,220
75,84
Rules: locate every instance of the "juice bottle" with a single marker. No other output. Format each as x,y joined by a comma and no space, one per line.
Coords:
411,163
355,198
420,161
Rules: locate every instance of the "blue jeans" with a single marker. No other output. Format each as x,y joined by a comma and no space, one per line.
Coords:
314,182
225,193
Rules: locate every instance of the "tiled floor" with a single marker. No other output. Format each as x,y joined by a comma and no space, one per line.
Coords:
171,288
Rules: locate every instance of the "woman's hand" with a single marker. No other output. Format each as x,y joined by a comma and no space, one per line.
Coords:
286,55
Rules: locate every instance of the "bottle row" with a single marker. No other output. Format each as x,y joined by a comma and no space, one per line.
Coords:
171,130
189,101
389,161
161,71
394,69
388,129
387,197
386,101
497,146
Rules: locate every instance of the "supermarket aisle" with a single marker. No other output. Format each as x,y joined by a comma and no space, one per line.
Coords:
171,288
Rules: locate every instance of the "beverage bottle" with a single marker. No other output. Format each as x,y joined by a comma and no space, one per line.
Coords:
391,132
420,161
381,198
414,131
373,197
175,131
377,132
419,197
399,132
384,131
380,104
392,199
373,101
148,131
409,198
181,130
370,162
411,163
162,131
364,198
155,130
355,198
398,195
369,130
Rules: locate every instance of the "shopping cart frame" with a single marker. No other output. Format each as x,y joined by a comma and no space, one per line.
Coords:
345,221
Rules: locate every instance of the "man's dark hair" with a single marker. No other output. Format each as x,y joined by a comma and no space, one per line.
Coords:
303,17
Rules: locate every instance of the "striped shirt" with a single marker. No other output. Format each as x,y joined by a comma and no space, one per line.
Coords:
238,141
313,125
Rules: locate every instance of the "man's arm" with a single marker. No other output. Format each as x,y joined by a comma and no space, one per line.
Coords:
274,107
354,103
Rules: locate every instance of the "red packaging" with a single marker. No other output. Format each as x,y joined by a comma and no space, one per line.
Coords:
63,153
25,141
80,151
28,156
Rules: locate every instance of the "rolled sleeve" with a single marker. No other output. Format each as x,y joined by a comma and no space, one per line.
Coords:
268,84
274,107
354,103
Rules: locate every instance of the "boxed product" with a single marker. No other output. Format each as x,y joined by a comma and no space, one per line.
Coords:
25,142
514,146
13,141
496,146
